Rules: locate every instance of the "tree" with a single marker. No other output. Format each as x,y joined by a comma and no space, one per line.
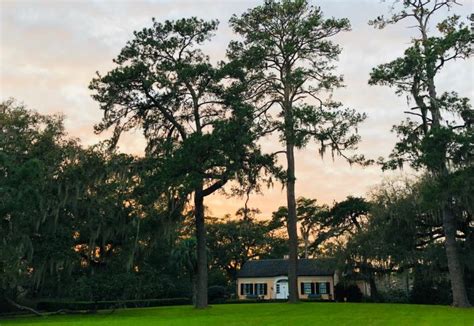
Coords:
34,152
311,218
349,215
184,258
404,232
433,142
232,242
71,223
286,46
198,129
320,225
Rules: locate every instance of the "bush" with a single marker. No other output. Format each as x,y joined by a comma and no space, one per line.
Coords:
238,301
6,307
90,305
429,291
121,286
347,292
217,294
394,296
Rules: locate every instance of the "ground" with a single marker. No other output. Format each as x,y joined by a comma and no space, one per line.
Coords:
268,314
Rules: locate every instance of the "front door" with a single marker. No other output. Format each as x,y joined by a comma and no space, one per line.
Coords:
282,289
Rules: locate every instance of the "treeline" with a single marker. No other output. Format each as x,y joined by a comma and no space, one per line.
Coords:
85,224
72,215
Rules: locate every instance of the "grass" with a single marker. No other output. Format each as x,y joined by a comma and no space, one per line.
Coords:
267,314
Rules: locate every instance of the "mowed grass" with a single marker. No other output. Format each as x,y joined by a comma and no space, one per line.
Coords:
267,314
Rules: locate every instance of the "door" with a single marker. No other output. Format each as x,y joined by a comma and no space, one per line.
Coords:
282,289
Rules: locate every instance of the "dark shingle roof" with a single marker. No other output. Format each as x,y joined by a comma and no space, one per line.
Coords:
277,267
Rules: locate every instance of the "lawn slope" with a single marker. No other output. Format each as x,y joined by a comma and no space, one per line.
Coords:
267,314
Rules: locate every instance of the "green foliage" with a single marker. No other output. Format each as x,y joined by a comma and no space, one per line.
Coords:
165,84
34,197
200,132
394,296
217,294
404,230
434,140
232,242
72,221
349,292
183,256
321,225
287,51
112,304
430,289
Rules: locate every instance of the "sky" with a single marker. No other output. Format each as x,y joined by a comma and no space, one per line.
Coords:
51,49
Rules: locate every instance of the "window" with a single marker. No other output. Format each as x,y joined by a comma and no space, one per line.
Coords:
278,288
323,288
261,288
306,288
253,289
247,288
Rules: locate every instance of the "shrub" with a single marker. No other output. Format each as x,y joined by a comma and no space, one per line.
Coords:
429,291
347,292
217,294
394,296
238,301
125,286
90,305
6,307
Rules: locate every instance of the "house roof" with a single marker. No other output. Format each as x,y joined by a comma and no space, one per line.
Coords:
279,267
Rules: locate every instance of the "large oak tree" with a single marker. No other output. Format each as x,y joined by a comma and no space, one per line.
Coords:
197,128
433,140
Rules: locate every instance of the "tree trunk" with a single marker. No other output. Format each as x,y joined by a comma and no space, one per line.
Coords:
306,246
201,279
455,267
291,225
193,284
374,293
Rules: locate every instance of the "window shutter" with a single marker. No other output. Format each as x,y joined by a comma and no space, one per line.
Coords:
241,288
317,288
312,288
302,287
265,287
328,288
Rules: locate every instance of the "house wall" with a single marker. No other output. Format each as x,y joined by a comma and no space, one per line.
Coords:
270,281
317,279
364,287
395,281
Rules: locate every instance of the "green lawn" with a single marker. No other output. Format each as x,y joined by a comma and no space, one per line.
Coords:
268,314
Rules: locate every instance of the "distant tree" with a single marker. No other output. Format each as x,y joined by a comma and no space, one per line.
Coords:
321,225
349,215
184,258
433,142
403,232
286,48
197,128
311,218
232,242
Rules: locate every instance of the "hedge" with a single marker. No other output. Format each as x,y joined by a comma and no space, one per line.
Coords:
54,305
